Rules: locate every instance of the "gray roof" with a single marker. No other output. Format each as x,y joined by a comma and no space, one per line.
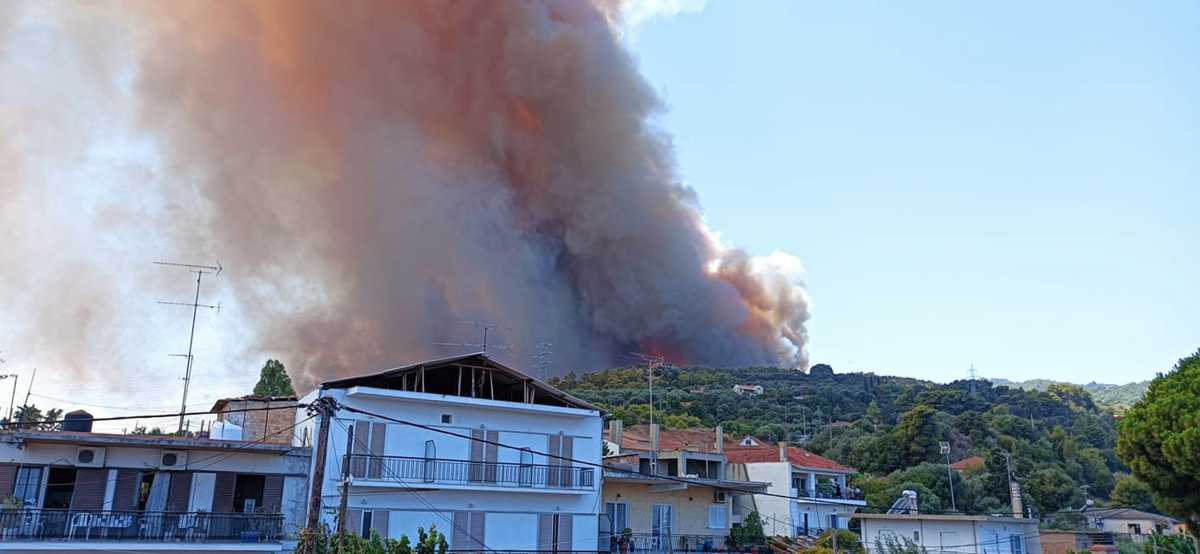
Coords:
1125,513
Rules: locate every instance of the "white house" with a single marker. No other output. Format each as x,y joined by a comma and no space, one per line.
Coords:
76,490
493,460
807,495
951,534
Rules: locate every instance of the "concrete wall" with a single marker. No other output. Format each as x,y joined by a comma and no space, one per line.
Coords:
775,511
263,425
511,520
940,536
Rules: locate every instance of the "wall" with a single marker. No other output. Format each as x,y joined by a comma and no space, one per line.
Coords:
937,536
263,425
511,520
1064,542
775,511
994,537
689,507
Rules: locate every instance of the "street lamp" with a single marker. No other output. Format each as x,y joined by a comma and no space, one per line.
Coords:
13,399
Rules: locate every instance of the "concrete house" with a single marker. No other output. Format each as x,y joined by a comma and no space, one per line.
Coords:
76,490
951,534
690,514
493,461
261,424
1127,521
809,493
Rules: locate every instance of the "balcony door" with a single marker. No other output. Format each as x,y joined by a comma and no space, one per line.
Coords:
369,439
660,527
484,452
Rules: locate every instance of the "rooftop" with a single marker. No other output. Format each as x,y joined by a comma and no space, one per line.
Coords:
693,439
220,404
798,457
944,517
144,441
469,375
1125,513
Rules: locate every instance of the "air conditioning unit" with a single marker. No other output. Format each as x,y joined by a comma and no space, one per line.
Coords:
720,497
172,459
89,456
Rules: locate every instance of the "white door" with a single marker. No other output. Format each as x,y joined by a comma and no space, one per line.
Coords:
201,499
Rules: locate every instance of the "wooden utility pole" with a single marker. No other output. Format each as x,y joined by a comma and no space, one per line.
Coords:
324,408
341,518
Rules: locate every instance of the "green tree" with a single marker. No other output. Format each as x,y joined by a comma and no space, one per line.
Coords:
1159,439
917,435
1052,489
749,533
1131,492
274,380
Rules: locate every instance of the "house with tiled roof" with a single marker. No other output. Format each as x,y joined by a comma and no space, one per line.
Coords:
808,493
971,463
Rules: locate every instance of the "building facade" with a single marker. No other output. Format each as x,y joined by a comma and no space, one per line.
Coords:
83,491
492,457
950,534
808,494
645,513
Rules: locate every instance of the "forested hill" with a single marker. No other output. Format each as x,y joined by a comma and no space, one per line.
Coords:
1117,397
888,427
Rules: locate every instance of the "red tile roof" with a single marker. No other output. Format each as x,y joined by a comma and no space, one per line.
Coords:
694,439
799,457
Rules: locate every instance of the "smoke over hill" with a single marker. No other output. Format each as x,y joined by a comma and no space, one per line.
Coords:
374,173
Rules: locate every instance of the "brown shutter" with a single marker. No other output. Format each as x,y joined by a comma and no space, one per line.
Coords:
478,530
491,450
362,433
568,452
379,522
223,492
545,532
564,533
180,491
459,540
553,460
476,468
89,489
8,478
378,436
125,493
354,521
273,493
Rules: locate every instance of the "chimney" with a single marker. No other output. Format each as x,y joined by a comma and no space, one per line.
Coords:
1014,493
616,433
720,446
783,451
654,437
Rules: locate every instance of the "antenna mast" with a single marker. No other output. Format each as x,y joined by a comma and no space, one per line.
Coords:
483,344
200,271
652,362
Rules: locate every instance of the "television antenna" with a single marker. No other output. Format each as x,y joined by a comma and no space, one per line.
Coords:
482,345
200,271
652,362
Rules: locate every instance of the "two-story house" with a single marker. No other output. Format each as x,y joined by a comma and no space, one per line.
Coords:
75,490
691,513
495,458
807,494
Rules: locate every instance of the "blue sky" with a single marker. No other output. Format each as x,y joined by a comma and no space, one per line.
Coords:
1011,185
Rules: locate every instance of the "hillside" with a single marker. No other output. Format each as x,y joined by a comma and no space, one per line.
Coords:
1117,397
889,427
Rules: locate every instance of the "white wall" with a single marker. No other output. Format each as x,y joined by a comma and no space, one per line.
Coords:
775,511
955,536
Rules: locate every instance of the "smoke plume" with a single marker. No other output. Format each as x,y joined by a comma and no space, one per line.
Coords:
373,174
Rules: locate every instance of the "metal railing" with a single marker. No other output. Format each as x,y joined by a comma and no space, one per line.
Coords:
465,472
662,542
842,493
31,524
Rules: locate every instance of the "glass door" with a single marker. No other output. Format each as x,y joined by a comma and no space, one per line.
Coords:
660,525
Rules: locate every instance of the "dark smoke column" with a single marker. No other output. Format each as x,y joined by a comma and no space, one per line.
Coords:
381,170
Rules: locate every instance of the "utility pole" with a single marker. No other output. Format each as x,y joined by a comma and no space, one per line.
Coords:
323,408
945,446
200,271
341,520
652,361
1014,489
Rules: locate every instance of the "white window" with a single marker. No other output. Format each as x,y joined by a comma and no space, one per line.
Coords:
28,486
618,516
716,517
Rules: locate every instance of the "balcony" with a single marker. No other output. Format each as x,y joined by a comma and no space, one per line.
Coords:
662,543
412,471
838,493
22,524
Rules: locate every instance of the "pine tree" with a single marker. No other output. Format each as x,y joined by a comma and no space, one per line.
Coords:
274,380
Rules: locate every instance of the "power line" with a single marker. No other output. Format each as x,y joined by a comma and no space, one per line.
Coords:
153,416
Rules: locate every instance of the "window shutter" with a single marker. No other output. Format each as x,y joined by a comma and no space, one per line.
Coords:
89,489
223,492
180,491
491,450
553,461
125,494
362,432
478,530
273,493
354,521
379,522
565,528
568,452
459,540
8,478
378,436
545,532
476,468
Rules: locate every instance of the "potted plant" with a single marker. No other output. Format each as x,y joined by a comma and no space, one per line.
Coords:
626,540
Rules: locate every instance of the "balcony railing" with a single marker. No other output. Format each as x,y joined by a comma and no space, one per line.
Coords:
662,542
22,524
434,470
837,493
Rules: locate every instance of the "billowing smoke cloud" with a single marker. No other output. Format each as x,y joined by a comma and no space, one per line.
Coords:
373,174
